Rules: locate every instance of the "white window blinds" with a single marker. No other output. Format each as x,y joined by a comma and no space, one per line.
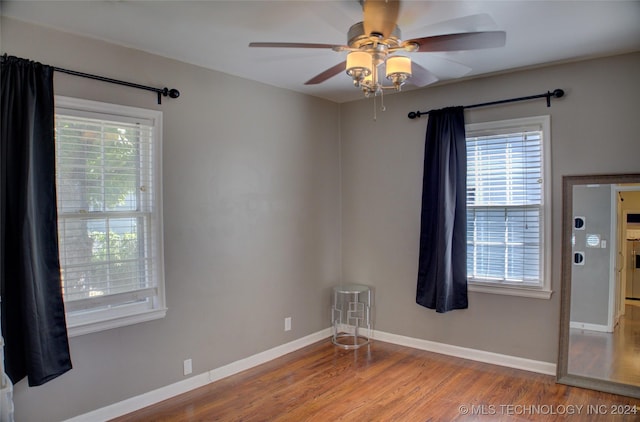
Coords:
505,207
108,211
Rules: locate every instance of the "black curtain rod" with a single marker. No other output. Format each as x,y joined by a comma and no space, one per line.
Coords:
548,95
172,93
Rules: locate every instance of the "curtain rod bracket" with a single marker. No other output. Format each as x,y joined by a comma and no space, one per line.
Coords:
557,93
166,92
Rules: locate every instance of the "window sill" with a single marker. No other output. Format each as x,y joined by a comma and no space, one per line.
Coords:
77,327
510,291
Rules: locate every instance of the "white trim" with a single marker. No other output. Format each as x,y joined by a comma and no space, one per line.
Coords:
163,393
547,187
267,355
613,247
534,123
155,396
111,299
590,327
547,368
143,400
113,322
510,291
82,107
84,320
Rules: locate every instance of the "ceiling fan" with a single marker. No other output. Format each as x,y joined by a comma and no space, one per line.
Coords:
373,45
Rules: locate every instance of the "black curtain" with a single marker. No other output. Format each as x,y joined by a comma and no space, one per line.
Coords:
442,267
33,318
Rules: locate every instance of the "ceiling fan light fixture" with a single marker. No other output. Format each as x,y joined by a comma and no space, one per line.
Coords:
369,86
398,70
372,45
359,64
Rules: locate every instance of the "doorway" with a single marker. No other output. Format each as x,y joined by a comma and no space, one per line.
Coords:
628,248
632,288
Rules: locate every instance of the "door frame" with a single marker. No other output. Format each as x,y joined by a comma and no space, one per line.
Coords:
617,288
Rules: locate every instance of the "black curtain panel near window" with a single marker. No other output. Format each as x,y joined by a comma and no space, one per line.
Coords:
442,267
33,315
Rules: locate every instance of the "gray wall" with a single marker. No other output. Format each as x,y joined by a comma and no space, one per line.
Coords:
593,130
251,220
590,281
254,210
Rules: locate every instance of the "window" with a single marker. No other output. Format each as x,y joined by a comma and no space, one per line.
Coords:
507,207
108,178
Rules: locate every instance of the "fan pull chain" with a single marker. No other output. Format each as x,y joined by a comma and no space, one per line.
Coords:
383,108
375,109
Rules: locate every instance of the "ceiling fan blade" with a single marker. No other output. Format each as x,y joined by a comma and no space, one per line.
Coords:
380,16
469,23
421,76
442,65
291,45
332,71
458,42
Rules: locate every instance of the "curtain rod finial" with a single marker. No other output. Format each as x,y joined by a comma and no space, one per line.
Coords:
173,93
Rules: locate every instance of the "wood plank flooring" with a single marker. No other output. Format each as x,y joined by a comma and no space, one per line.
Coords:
386,382
609,356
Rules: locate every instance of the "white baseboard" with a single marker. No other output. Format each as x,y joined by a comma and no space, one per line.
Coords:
590,327
266,356
147,399
547,368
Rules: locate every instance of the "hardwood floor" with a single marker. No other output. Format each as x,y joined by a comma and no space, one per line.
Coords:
386,382
610,356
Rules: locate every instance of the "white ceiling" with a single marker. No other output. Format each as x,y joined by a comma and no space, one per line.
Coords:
216,34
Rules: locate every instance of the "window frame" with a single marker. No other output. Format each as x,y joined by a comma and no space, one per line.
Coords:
543,124
84,321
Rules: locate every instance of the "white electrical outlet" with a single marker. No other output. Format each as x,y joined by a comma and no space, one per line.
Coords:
287,324
187,367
